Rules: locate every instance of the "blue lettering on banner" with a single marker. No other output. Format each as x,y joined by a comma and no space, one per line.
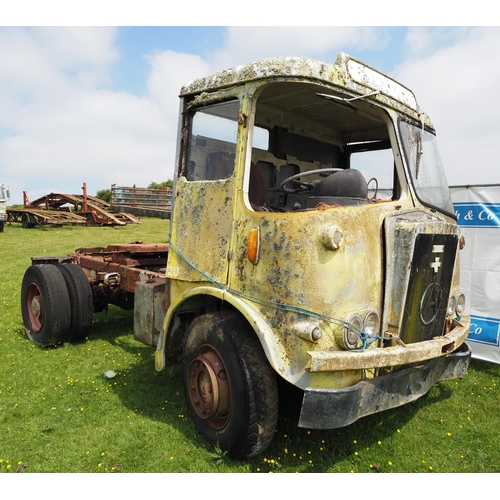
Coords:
484,330
476,214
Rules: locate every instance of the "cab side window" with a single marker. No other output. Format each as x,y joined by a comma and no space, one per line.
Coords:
212,142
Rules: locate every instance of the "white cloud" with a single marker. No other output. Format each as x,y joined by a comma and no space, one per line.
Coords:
169,72
61,124
64,129
58,126
457,86
245,44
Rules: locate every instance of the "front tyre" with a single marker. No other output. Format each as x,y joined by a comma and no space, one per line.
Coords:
45,305
230,388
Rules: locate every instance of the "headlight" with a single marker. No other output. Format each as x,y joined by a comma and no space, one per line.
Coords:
371,324
460,307
360,333
352,331
452,304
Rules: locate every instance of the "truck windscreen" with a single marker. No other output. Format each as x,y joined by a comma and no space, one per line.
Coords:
426,170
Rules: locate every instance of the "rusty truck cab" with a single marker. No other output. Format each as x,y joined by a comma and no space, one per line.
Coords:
310,201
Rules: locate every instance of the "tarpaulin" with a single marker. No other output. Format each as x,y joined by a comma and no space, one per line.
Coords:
478,214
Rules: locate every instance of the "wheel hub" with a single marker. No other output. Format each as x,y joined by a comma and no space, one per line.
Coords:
209,387
34,308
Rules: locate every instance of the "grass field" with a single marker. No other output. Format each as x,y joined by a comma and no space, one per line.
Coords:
58,413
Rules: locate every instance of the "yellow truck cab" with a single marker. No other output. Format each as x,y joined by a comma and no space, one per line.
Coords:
312,238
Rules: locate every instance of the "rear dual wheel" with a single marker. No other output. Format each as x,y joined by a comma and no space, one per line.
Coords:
56,304
230,388
45,305
81,300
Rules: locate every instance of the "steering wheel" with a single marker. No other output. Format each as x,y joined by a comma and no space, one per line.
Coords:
308,186
375,180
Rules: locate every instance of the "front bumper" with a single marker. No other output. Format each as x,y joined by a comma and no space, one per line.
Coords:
399,355
333,408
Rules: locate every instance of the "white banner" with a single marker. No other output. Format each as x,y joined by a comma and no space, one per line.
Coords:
478,214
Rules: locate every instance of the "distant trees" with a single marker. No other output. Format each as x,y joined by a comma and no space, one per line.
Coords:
104,194
161,185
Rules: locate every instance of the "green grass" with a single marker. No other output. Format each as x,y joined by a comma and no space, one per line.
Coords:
58,413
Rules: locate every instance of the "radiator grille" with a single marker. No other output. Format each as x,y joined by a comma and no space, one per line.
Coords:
429,286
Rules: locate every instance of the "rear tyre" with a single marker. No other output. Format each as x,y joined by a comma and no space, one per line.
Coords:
81,301
1,226
230,388
45,305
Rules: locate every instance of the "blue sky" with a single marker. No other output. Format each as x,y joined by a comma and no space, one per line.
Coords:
99,104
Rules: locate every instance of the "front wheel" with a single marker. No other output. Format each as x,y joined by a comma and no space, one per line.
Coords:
45,305
230,388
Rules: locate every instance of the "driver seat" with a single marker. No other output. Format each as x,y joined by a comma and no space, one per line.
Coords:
348,183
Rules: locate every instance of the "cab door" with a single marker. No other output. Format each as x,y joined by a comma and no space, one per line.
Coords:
201,222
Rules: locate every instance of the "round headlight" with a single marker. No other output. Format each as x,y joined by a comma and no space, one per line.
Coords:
452,304
460,308
372,324
352,331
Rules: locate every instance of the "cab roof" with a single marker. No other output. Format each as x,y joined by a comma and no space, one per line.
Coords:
347,73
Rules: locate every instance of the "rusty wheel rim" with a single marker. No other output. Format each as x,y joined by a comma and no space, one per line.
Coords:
34,307
209,387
